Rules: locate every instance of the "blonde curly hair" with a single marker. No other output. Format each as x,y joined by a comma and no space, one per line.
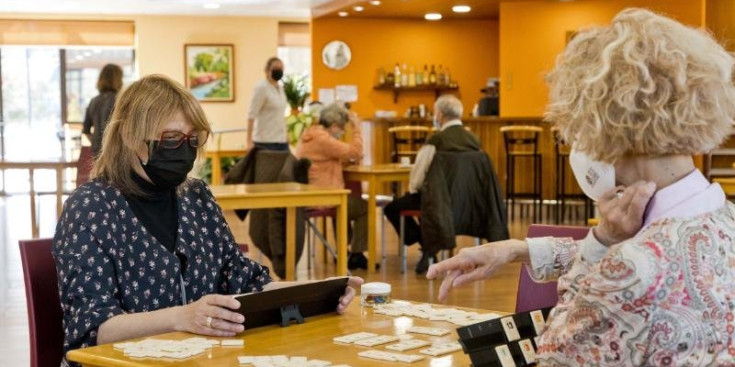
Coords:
644,85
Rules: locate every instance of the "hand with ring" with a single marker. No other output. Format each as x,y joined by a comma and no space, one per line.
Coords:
211,315
621,212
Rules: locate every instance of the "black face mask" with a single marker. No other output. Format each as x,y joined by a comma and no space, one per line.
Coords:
168,168
277,74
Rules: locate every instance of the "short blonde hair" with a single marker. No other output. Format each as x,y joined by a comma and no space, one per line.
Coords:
139,114
644,85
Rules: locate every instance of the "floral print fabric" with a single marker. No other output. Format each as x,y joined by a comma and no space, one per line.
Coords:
663,298
108,264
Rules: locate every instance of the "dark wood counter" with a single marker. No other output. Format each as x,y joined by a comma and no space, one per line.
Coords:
488,130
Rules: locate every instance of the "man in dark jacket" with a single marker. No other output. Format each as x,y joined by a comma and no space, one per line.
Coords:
450,137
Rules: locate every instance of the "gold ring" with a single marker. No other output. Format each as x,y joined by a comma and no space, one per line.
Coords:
209,321
619,194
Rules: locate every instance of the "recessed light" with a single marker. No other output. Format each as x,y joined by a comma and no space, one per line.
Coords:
375,2
461,9
358,8
211,6
343,14
432,16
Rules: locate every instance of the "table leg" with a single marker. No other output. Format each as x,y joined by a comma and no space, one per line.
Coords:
59,190
34,220
372,213
342,236
216,169
290,243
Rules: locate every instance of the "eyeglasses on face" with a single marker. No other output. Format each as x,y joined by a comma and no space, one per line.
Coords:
171,139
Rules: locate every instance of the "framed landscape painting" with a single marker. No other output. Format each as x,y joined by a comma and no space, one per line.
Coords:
209,71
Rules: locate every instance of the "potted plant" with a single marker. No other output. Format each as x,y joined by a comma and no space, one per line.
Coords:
296,89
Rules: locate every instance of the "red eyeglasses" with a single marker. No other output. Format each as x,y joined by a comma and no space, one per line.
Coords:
171,139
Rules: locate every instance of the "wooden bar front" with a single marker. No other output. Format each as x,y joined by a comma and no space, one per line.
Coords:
488,130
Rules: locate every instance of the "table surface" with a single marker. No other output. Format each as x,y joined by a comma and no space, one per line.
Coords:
271,189
312,339
379,168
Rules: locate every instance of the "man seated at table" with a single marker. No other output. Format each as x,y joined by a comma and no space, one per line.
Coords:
450,137
321,144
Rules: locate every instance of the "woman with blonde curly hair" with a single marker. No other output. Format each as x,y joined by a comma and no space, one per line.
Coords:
653,283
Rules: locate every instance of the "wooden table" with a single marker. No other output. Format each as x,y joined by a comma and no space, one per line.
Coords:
374,175
58,165
312,339
216,156
289,195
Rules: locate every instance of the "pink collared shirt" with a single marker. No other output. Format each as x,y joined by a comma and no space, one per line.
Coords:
691,196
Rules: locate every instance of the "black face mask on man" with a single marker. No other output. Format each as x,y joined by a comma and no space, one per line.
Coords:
277,74
168,168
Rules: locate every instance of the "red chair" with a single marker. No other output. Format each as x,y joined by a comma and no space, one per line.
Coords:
42,296
532,295
84,165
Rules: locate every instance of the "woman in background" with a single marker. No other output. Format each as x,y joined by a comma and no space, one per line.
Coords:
100,107
267,115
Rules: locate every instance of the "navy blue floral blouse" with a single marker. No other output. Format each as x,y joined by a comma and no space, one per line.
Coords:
108,264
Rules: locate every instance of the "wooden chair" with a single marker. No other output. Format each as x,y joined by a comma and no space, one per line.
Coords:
562,161
42,298
407,140
522,142
531,295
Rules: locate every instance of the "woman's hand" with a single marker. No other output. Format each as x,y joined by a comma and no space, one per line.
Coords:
621,212
476,263
211,315
346,299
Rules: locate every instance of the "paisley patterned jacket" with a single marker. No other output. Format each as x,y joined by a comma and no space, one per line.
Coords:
666,297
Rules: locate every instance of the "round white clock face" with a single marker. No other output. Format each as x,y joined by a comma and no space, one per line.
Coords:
336,55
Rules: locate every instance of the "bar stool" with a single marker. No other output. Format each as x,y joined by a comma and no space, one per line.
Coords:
407,140
562,158
522,142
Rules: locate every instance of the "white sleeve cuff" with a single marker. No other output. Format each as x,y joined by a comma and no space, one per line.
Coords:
591,250
541,252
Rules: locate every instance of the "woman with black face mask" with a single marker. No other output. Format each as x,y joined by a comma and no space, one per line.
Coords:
142,249
267,114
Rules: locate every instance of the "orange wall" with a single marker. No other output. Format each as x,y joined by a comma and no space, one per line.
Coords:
721,21
468,47
532,33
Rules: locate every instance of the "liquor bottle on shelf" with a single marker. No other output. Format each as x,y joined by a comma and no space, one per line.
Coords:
432,76
419,77
381,77
404,76
440,76
447,77
412,77
425,75
397,76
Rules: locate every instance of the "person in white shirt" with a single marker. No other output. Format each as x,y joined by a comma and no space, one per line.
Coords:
267,114
450,137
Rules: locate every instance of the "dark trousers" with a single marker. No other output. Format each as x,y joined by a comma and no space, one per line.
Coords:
412,231
272,146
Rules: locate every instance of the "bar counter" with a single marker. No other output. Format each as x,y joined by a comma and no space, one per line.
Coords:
488,130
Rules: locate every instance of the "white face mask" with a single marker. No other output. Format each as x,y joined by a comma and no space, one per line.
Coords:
595,178
436,123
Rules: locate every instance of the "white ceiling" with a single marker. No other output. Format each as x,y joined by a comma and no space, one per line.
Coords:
270,8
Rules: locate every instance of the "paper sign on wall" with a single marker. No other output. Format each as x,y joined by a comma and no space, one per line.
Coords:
346,93
326,95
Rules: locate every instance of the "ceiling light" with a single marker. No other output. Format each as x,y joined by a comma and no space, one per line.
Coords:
211,6
375,2
432,16
461,9
343,14
358,8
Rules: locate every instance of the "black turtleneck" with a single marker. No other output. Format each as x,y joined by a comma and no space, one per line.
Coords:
157,212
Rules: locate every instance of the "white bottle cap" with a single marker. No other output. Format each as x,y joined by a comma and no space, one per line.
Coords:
375,288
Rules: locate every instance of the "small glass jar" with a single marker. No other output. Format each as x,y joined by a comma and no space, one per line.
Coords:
375,293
